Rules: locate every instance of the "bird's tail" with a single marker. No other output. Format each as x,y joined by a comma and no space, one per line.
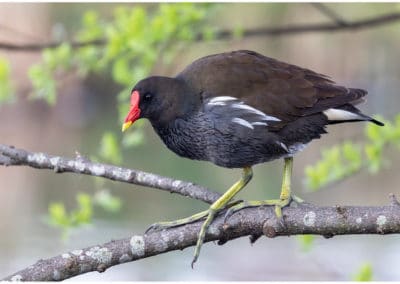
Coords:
348,113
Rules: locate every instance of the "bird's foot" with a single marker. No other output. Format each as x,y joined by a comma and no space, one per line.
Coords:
179,222
187,220
278,203
220,204
209,214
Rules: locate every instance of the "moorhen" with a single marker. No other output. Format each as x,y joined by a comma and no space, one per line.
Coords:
238,109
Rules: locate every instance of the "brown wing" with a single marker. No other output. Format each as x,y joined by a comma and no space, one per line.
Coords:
276,88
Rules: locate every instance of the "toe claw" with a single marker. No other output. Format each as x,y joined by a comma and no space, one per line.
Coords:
228,214
151,228
194,260
192,264
297,199
281,222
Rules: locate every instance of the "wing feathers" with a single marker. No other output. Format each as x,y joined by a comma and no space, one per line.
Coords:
275,88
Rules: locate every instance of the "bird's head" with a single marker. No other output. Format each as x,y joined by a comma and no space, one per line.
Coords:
159,99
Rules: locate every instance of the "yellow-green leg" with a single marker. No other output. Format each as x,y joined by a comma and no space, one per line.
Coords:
210,213
285,196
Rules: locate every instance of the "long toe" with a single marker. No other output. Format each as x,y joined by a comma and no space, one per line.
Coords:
278,203
176,223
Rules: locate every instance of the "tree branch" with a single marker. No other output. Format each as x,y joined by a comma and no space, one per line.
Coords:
338,25
38,47
329,27
9,156
253,222
329,13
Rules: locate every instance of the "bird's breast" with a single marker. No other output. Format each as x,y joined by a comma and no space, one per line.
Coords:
198,138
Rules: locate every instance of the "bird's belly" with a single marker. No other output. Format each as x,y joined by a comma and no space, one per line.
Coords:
238,154
200,141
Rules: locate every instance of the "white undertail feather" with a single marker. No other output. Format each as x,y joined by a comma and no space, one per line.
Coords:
292,149
334,114
242,122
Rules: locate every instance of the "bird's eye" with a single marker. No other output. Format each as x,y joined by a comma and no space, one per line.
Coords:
148,97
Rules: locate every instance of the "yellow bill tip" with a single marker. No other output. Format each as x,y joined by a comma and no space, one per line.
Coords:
126,125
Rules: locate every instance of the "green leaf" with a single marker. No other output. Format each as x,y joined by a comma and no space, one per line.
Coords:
374,157
209,34
82,215
373,132
352,153
306,242
107,201
134,138
238,32
121,72
58,215
44,86
109,148
336,163
59,57
6,90
364,273
92,28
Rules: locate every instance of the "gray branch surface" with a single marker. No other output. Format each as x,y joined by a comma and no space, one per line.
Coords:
301,218
10,156
254,222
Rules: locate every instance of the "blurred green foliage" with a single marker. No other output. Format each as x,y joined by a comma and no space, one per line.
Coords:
306,242
107,201
60,218
109,148
82,215
6,90
342,161
42,74
364,273
128,46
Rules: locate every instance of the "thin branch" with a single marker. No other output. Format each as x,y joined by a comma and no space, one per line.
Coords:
37,47
9,156
253,222
329,13
331,27
338,25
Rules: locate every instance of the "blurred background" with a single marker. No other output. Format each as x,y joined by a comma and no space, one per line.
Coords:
88,101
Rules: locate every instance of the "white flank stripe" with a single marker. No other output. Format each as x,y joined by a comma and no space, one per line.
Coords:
242,122
339,114
259,123
283,146
256,111
271,118
217,104
221,99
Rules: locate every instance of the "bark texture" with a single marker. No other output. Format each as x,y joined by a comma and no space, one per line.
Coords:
254,222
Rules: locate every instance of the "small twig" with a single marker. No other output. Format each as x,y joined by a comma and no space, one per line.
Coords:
393,200
329,27
310,219
37,47
338,25
329,13
10,156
